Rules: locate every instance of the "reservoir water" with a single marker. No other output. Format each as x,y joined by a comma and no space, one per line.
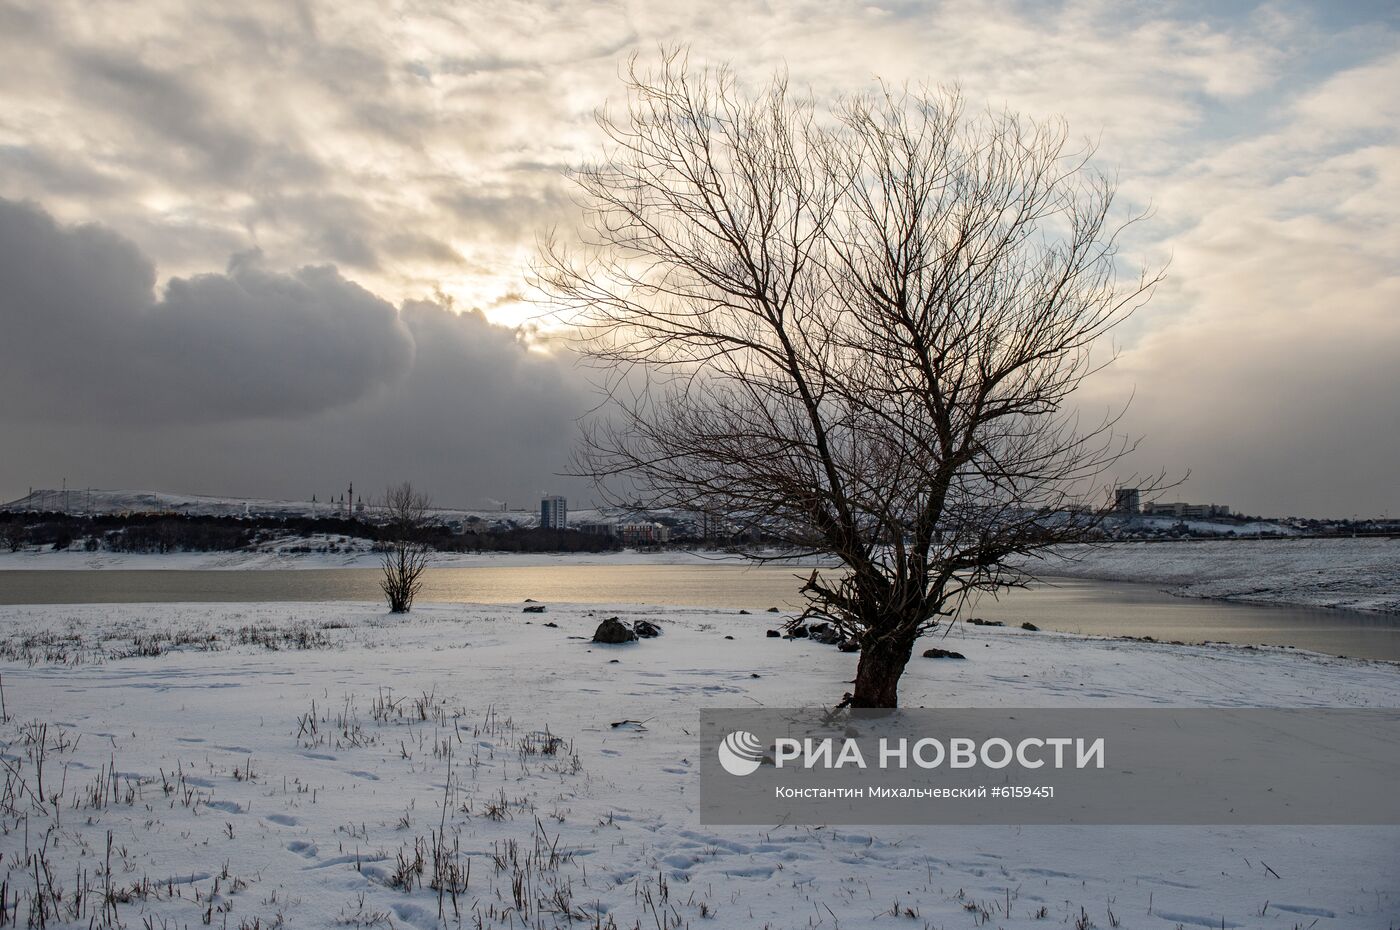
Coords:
1068,605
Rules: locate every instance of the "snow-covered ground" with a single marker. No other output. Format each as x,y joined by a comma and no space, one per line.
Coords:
327,764
1356,573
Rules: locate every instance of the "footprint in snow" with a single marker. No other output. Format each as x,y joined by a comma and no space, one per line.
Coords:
755,871
415,915
1197,920
1304,910
680,862
282,819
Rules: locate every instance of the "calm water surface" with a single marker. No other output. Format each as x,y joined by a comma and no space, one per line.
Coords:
1072,606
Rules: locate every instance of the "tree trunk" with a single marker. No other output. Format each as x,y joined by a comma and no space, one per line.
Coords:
881,664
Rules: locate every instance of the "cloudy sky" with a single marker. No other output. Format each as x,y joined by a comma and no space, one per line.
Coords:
264,249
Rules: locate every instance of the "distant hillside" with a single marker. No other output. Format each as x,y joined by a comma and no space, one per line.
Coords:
97,502
1145,526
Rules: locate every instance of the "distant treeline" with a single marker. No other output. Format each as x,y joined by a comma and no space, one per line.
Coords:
191,533
534,539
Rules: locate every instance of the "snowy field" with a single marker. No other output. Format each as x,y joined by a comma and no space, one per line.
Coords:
278,765
1360,574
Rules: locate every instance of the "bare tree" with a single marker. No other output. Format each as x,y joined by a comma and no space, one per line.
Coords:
405,514
857,327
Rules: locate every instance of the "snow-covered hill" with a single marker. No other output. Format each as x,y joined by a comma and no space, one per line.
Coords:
1356,573
1144,525
96,501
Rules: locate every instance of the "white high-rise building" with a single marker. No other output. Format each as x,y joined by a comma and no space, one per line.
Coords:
554,513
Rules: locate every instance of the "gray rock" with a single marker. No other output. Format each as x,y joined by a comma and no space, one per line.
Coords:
942,654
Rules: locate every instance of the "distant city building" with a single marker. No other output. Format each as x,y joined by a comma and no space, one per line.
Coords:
1127,500
714,526
643,534
597,528
554,513
1184,511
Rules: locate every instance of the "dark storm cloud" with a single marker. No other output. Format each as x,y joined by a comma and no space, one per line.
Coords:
260,381
91,339
476,419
